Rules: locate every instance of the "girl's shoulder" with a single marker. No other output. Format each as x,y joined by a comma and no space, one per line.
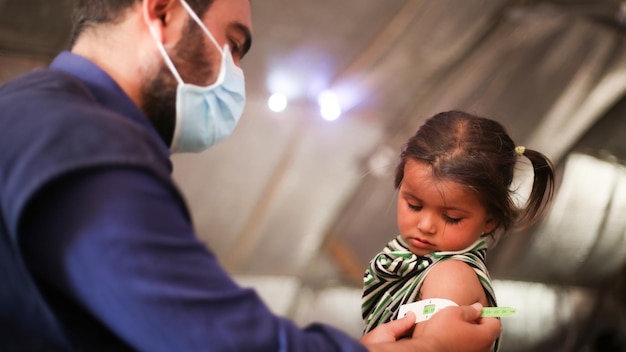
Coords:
455,280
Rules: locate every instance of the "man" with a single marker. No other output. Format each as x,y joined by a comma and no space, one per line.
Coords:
98,250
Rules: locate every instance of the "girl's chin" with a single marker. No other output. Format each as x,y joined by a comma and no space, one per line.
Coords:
420,251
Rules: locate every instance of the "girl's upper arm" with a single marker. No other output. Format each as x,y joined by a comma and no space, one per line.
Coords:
454,280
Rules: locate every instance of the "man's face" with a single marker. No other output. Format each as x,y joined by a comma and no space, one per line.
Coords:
197,60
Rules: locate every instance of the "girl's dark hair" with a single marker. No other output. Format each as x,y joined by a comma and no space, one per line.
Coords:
88,13
478,153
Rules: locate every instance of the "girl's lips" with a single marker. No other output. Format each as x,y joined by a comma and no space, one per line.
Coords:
416,242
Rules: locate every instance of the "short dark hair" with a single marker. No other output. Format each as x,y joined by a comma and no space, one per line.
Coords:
89,13
479,153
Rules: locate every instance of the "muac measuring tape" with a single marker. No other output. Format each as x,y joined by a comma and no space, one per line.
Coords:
424,309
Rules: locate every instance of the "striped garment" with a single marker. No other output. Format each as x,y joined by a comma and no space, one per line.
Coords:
395,277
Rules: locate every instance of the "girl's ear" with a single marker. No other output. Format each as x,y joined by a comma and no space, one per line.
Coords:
490,225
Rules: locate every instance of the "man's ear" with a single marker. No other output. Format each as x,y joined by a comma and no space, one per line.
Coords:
156,16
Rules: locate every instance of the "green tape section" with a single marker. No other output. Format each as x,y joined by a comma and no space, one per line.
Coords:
496,312
429,309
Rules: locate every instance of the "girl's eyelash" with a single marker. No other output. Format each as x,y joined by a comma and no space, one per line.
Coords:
414,207
449,220
452,221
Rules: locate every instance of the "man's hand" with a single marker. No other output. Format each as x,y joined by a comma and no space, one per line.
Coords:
453,329
390,332
461,329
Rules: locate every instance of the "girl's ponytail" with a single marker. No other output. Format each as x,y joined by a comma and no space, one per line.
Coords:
542,189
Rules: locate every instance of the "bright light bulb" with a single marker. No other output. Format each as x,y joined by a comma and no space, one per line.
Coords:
329,106
277,102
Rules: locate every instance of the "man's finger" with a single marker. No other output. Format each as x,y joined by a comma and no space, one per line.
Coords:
472,314
399,327
391,331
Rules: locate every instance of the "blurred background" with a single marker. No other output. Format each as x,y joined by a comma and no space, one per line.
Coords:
300,198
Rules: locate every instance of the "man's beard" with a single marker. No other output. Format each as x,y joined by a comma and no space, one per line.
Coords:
158,95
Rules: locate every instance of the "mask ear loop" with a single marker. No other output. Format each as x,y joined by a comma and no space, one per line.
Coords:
195,17
166,57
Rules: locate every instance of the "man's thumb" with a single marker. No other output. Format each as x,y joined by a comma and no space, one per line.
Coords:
472,313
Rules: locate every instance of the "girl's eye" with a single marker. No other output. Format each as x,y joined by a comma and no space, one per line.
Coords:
414,207
452,221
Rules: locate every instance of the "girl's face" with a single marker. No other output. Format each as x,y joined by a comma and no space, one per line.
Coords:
438,215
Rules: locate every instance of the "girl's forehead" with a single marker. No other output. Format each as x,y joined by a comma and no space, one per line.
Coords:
420,180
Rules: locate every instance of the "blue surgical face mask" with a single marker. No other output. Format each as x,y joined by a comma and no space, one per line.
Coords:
206,115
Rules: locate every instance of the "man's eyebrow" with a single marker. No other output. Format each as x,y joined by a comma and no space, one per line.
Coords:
243,29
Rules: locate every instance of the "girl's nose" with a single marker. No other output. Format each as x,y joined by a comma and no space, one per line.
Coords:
426,224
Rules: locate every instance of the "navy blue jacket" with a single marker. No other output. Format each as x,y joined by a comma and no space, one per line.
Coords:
97,249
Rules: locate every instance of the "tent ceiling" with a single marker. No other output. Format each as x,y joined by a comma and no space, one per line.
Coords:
292,194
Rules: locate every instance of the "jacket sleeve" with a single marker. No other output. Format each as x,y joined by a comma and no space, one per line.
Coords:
119,245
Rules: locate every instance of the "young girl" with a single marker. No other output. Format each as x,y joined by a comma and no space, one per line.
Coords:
454,201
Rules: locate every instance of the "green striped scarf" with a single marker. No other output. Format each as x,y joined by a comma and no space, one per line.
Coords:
395,277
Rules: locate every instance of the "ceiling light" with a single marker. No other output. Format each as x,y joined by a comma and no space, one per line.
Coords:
329,105
277,102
